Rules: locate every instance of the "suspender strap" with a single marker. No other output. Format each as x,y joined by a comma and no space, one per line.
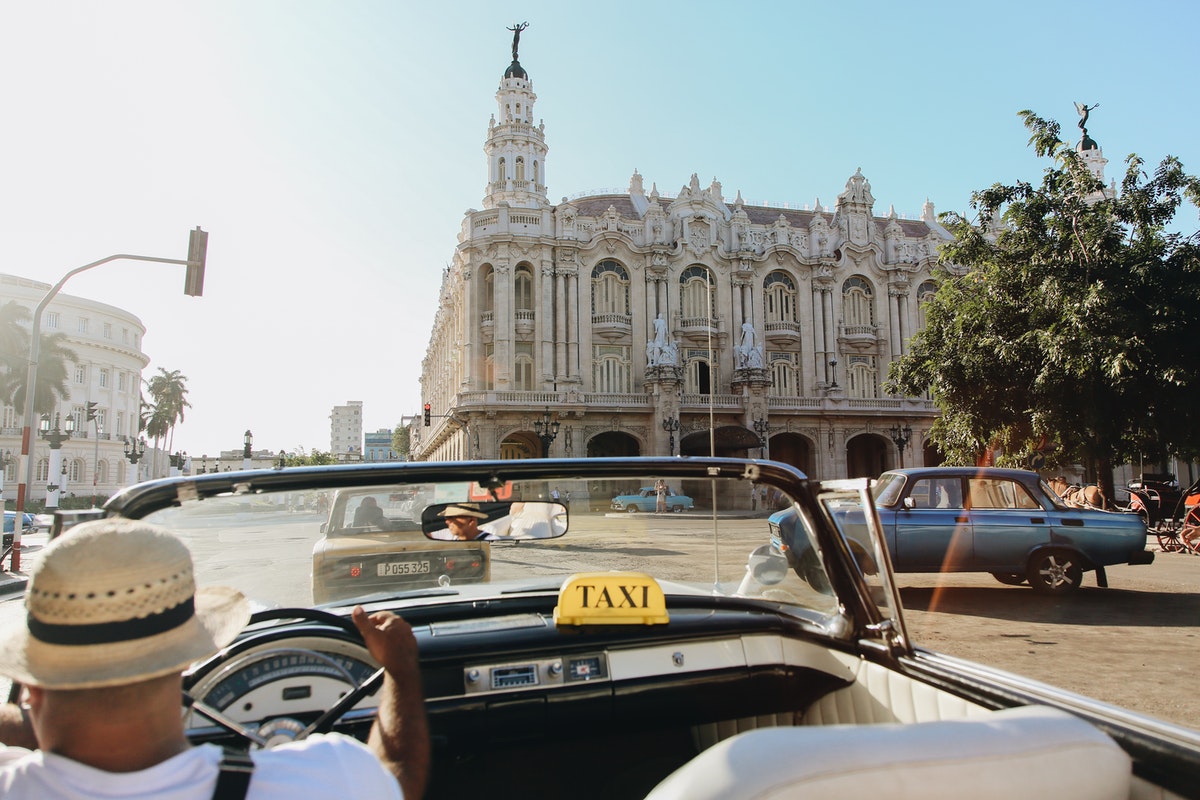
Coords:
234,778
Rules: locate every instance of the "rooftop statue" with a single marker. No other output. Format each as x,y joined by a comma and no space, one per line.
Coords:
516,29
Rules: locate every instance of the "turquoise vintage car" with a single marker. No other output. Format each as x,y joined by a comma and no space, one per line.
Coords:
646,500
981,519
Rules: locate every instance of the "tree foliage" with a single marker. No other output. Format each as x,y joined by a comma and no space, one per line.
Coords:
53,358
1065,312
400,440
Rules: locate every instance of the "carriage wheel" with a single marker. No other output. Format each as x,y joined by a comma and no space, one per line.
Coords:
1189,535
1168,540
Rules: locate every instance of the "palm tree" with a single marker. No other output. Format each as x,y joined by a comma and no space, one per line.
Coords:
169,392
53,356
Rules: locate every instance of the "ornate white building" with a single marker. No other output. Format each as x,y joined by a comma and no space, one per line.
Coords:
639,321
108,372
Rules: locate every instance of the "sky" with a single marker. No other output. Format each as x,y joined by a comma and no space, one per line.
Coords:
330,149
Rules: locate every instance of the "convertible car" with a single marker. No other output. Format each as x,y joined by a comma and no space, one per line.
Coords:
1007,522
615,657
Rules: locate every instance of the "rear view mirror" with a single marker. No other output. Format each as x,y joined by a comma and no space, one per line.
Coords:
530,519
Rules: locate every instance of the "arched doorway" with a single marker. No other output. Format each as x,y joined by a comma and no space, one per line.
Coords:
520,444
794,449
867,456
610,444
932,455
727,441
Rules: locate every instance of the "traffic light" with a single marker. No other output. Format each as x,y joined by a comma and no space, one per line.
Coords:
91,411
427,415
193,281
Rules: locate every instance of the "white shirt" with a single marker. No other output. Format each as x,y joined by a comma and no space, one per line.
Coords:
322,766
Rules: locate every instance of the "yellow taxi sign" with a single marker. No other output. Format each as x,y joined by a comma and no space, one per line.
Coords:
611,598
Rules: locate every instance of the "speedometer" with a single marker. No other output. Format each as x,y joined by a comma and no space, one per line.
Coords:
298,678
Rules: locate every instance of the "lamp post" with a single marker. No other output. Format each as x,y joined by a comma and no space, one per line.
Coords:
762,427
546,430
134,450
670,425
55,435
247,441
901,436
282,460
833,384
193,285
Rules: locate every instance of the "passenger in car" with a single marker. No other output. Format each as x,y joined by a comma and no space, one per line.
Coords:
462,523
113,619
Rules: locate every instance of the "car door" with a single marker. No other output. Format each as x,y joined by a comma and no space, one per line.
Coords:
933,530
1007,521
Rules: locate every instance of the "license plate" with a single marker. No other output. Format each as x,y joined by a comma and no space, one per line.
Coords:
391,569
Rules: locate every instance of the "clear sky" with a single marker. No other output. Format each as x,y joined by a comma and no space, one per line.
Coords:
331,148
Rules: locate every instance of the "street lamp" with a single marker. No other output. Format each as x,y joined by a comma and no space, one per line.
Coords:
204,464
55,435
193,285
762,427
247,441
670,425
134,450
833,384
901,437
282,459
546,430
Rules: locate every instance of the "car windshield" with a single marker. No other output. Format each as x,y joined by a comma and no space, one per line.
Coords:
327,542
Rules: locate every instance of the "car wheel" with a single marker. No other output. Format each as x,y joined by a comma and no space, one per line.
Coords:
1009,578
677,509
1054,572
632,508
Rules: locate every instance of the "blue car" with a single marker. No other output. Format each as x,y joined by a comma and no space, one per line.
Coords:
646,500
10,519
1007,522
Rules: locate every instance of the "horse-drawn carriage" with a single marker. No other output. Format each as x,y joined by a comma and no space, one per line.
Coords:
1170,514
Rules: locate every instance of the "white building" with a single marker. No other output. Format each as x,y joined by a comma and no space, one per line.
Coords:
108,372
346,431
633,318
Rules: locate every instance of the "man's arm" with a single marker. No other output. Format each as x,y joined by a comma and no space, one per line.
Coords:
15,728
400,735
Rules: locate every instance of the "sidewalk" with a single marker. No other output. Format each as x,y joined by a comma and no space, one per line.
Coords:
31,547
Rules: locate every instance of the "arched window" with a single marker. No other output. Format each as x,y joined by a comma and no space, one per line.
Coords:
925,293
488,276
520,163
101,471
75,471
489,367
523,288
779,297
610,288
697,293
536,177
42,471
500,167
858,306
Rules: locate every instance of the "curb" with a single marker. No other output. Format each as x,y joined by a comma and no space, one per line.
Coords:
12,583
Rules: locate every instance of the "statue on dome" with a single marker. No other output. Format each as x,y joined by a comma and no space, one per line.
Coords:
516,29
1084,110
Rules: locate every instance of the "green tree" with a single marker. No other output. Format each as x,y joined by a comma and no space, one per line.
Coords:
1068,312
400,441
53,358
302,458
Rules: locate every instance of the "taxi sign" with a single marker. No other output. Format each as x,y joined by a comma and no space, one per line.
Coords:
611,598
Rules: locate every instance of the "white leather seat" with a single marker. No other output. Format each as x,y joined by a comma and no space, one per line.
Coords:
1030,751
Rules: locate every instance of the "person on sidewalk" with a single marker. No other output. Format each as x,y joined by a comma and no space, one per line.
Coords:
113,619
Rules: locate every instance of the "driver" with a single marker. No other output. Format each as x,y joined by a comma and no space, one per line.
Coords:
113,619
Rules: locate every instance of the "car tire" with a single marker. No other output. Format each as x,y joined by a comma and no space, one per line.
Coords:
1009,578
677,509
1054,572
632,508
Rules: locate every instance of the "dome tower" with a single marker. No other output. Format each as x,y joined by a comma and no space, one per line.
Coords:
516,148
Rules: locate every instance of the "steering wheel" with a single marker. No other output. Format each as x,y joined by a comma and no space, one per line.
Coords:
268,736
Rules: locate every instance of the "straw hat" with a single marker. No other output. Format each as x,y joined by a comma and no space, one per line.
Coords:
463,510
115,602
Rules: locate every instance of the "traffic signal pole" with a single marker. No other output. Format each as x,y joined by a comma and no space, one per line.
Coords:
193,285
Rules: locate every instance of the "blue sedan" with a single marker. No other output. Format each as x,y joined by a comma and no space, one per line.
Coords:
1007,522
